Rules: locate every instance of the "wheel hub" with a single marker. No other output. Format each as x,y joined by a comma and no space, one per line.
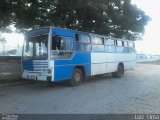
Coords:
77,77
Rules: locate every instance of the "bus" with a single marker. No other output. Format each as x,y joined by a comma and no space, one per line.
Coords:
57,54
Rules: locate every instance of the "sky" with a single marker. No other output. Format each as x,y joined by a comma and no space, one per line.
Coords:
13,39
149,44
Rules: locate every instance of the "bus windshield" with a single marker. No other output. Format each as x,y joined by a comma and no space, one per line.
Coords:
36,47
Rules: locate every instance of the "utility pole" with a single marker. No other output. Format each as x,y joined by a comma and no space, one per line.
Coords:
3,41
4,49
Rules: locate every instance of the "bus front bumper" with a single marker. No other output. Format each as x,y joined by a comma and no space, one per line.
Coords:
31,76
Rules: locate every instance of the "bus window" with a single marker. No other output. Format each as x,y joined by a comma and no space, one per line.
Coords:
62,47
97,40
125,44
120,48
131,44
98,44
119,43
98,48
83,42
131,47
66,43
84,38
110,45
28,49
36,47
76,36
56,43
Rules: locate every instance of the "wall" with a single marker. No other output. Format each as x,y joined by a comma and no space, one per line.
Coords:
147,58
10,69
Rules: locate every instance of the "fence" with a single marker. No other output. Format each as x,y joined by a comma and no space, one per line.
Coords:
147,58
10,68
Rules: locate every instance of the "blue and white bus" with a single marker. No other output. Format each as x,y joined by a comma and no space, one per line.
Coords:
56,54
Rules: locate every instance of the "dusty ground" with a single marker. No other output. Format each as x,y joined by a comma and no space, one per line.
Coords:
152,62
138,91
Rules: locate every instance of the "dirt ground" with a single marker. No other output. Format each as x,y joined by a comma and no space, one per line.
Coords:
138,91
152,62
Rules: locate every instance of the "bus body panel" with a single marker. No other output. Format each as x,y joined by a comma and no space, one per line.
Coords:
63,32
107,62
27,65
64,67
103,63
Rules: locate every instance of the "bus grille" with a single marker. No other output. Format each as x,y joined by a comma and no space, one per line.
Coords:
38,66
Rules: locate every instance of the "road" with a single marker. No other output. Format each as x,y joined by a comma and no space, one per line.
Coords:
138,91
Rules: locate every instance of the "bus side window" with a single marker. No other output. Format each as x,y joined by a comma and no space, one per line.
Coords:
98,44
56,43
66,44
83,42
110,45
131,47
62,47
126,46
119,48
76,36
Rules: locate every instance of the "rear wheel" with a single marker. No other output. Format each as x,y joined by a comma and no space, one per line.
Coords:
119,72
77,77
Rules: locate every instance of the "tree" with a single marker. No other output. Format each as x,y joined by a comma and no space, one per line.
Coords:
118,18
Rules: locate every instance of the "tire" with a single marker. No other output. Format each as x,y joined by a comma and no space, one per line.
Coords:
119,72
77,77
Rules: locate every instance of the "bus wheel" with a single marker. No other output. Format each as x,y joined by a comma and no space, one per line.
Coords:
119,72
77,77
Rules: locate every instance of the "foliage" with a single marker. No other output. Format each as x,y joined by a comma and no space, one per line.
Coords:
118,18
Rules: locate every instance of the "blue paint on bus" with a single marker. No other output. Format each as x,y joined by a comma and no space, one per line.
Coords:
63,32
64,68
28,65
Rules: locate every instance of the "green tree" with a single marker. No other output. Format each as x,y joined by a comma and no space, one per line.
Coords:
118,18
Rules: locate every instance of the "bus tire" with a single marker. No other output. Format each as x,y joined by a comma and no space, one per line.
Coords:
77,77
119,72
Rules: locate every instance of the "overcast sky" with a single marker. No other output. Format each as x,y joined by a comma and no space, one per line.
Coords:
151,41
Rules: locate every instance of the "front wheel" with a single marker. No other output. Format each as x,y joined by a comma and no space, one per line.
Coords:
119,72
77,77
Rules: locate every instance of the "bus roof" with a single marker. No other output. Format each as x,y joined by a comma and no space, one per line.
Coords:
45,30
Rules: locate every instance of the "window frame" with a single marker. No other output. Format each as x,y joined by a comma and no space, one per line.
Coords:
94,43
81,45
